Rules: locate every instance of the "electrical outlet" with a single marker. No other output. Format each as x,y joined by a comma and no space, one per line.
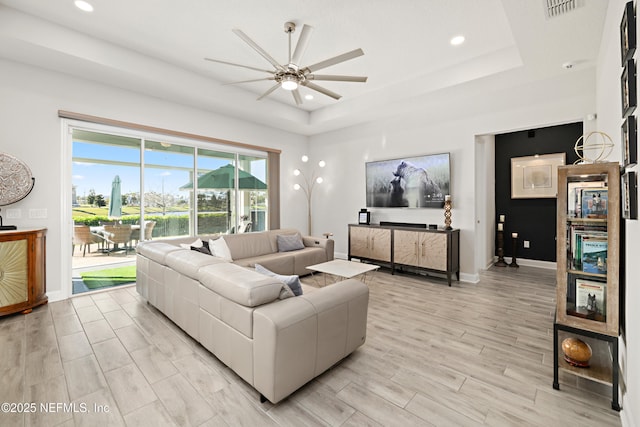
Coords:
526,244
38,213
14,213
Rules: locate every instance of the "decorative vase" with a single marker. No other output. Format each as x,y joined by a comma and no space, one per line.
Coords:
447,212
576,352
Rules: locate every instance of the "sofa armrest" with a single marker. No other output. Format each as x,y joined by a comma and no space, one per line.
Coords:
298,338
320,242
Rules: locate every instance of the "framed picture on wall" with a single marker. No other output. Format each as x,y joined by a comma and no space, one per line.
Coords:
628,88
535,177
629,142
628,33
629,195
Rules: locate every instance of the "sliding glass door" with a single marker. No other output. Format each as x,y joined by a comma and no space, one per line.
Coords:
157,185
167,169
98,160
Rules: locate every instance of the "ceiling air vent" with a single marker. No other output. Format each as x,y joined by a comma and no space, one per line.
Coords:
555,8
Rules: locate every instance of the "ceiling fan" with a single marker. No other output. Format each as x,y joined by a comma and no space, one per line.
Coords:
291,75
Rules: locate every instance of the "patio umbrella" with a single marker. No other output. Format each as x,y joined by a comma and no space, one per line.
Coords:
223,178
115,203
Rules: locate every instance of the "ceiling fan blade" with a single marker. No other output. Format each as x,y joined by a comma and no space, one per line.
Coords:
333,61
258,49
249,81
267,93
296,96
238,65
358,79
320,89
303,41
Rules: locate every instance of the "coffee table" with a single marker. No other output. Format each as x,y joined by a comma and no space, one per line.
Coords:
343,269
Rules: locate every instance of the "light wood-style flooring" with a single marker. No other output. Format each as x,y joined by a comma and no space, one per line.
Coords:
466,355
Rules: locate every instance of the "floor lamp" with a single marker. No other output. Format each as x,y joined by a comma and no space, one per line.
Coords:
308,184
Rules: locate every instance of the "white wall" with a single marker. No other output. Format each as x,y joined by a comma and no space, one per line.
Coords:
443,123
31,131
610,121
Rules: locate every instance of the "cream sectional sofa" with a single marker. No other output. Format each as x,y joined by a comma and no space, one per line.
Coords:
248,249
276,345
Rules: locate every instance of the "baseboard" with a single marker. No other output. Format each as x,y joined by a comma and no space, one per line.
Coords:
469,278
55,296
626,415
548,265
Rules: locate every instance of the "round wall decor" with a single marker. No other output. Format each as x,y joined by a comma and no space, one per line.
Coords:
16,181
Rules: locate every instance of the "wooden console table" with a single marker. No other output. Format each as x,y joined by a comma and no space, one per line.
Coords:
22,270
399,247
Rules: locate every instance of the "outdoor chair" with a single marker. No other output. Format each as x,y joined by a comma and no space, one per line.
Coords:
148,231
118,234
83,236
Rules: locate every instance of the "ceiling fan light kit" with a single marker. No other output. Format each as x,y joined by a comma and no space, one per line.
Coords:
291,76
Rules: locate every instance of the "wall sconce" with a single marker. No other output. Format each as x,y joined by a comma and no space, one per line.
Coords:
308,184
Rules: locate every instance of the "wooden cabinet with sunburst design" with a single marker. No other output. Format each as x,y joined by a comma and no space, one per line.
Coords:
22,270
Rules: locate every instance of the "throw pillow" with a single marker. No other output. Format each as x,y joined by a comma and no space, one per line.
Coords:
203,249
289,242
196,244
220,249
285,292
293,282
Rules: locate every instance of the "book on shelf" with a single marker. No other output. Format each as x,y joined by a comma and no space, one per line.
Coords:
594,254
591,297
594,202
574,195
577,232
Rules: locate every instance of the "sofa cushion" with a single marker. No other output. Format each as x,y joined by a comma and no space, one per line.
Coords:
248,245
156,251
306,257
293,282
289,242
241,285
188,262
281,263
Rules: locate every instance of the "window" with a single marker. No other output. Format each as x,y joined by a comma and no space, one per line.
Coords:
228,196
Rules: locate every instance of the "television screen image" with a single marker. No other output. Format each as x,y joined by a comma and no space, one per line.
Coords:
414,182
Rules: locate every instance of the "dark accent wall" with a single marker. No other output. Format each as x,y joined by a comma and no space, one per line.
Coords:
533,219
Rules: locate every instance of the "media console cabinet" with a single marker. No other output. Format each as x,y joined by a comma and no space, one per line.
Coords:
22,270
404,246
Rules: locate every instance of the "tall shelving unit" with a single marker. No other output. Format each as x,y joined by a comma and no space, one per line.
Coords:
588,258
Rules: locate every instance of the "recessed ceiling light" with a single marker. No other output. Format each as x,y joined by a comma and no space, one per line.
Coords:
457,40
83,5
308,97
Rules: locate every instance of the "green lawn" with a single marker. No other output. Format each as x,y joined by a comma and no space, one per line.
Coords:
109,277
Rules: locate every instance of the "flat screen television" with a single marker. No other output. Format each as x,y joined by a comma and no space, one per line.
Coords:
414,182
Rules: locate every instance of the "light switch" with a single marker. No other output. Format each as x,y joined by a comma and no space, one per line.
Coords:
14,213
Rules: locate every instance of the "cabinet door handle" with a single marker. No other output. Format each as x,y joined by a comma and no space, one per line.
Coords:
415,248
373,242
424,252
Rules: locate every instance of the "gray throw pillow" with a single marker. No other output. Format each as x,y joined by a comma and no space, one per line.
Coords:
286,292
289,242
293,282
